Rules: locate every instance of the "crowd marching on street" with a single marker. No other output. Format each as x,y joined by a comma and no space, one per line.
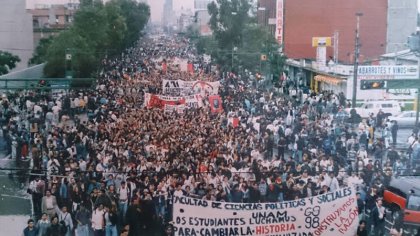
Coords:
108,161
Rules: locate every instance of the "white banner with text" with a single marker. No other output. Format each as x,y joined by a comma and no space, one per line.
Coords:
330,214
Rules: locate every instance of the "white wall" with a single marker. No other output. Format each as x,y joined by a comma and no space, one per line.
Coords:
16,32
402,22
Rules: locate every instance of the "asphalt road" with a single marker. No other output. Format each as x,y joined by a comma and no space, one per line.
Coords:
15,203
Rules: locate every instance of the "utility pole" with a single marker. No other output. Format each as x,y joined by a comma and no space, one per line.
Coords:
68,63
336,38
356,59
231,70
418,90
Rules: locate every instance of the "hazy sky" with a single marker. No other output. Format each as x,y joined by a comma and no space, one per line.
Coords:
156,5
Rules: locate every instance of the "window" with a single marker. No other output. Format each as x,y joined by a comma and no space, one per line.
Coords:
386,105
369,106
413,203
396,191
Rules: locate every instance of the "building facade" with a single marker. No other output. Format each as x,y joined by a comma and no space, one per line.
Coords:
304,19
167,13
202,16
16,31
402,21
384,26
266,14
50,20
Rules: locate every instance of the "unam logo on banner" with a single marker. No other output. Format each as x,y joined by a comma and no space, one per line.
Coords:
330,214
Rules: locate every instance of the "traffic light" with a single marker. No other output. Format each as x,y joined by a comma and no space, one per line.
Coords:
263,57
372,84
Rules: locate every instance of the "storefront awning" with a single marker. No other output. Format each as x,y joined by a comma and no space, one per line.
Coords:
327,79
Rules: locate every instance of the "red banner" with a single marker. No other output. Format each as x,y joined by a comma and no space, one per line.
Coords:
215,104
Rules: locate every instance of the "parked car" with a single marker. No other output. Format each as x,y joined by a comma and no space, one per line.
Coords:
402,196
405,119
389,107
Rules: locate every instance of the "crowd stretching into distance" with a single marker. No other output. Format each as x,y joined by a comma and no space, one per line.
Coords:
104,164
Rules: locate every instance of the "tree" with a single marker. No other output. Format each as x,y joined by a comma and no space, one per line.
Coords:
91,23
136,17
98,30
8,61
228,18
240,41
117,28
40,54
84,61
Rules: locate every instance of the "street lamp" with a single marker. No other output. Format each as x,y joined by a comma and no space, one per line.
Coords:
356,59
233,50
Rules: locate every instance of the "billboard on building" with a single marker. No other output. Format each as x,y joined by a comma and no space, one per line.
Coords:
387,72
321,41
279,21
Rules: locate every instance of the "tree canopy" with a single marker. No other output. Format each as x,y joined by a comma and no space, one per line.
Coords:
238,42
98,30
40,54
8,61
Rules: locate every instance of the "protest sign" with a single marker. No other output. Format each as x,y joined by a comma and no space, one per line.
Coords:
215,104
159,101
182,88
206,88
172,87
194,101
330,214
172,103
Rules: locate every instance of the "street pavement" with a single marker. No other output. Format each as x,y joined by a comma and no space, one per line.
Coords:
15,203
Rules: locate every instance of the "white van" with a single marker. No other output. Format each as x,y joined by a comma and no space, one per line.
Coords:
389,107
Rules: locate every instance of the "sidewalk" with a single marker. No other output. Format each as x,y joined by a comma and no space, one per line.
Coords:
15,203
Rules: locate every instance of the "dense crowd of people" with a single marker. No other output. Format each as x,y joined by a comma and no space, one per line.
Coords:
115,171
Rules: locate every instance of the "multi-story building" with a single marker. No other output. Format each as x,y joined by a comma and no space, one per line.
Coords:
266,14
49,20
384,26
167,18
202,16
184,18
16,30
402,21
